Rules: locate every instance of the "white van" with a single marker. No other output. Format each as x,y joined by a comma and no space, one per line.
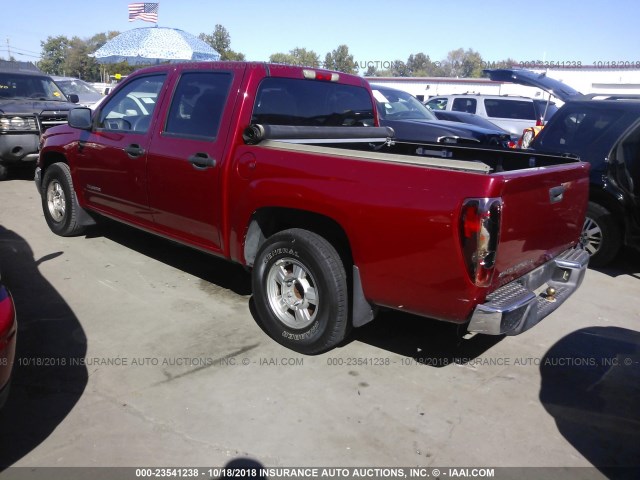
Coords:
513,113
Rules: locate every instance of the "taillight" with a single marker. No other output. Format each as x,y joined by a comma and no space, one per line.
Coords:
479,230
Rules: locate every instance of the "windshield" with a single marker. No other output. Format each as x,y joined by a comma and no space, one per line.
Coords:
15,85
395,104
76,86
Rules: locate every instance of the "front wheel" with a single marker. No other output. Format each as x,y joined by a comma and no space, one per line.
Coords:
300,291
58,204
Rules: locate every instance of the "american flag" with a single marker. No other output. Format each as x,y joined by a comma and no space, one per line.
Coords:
147,12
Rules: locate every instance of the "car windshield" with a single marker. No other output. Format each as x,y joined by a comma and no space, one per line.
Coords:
394,104
76,86
15,85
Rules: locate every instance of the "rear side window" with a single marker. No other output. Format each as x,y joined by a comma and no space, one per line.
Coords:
437,104
197,104
543,107
467,105
577,128
514,109
287,101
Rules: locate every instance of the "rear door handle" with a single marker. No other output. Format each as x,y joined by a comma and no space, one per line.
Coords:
202,160
134,150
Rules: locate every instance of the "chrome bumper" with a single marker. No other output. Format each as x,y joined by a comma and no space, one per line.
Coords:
518,306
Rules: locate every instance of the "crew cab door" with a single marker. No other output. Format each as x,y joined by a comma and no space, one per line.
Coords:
185,158
111,159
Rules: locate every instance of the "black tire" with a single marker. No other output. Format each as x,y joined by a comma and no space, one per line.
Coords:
58,201
300,291
601,235
4,172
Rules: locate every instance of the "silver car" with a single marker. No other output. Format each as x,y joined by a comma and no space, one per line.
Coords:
87,95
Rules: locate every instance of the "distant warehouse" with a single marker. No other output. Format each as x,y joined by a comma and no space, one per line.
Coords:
586,79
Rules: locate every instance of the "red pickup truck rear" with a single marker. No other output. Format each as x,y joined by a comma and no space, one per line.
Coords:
283,169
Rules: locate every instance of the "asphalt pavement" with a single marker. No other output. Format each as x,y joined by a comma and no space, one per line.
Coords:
135,351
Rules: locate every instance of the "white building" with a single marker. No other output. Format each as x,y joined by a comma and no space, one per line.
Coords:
588,79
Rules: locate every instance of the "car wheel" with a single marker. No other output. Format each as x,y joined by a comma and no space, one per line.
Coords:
4,172
601,235
58,203
300,291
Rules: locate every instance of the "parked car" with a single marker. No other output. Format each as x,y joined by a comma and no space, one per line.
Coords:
603,130
510,112
272,167
413,122
30,102
8,329
87,95
473,119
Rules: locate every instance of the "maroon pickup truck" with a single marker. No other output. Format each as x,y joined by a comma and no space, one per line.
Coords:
285,171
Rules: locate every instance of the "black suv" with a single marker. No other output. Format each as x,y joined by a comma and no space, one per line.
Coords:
603,130
30,102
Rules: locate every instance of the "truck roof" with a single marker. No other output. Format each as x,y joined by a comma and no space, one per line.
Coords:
270,69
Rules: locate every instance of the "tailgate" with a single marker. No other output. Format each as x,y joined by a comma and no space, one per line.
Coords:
543,213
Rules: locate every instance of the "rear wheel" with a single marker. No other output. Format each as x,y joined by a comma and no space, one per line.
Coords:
601,235
300,291
4,172
58,204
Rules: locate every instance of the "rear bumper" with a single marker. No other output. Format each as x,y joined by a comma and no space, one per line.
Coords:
521,304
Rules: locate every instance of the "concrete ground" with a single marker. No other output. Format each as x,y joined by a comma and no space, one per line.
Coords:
133,351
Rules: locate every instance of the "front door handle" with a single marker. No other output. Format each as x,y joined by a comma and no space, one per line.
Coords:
202,160
556,194
134,150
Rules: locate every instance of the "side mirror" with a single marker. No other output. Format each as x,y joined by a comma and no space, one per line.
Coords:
80,117
106,90
73,98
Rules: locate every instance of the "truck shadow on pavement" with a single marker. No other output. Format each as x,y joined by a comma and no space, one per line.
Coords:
591,386
210,269
49,376
428,342
626,263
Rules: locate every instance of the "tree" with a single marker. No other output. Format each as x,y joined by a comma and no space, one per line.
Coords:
297,56
372,71
340,60
78,63
54,54
507,63
462,64
220,41
420,65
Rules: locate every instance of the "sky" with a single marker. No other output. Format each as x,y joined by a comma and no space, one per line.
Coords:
587,31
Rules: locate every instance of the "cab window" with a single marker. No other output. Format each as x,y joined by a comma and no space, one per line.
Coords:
287,101
131,108
197,104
